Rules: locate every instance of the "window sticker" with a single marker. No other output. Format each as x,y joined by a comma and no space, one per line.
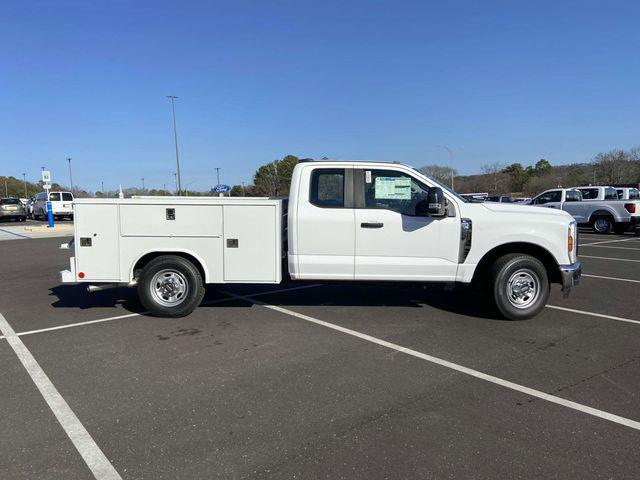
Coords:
393,188
367,176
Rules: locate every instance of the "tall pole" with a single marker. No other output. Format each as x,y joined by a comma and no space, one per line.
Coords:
451,160
70,176
243,194
102,186
6,188
175,178
24,179
175,139
143,184
218,175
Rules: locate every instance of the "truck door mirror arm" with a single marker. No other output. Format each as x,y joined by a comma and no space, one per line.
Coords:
436,202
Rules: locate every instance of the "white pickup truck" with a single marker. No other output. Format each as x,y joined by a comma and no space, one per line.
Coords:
602,215
344,220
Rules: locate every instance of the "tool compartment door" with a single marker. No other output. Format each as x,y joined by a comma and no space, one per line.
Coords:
251,244
97,242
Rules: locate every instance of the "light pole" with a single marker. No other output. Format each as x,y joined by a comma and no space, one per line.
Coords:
451,160
143,184
175,139
6,188
175,178
102,187
70,176
243,194
24,179
217,169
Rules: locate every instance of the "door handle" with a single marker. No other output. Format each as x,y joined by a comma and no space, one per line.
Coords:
371,225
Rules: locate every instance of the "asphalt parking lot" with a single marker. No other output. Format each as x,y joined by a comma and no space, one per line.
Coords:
328,381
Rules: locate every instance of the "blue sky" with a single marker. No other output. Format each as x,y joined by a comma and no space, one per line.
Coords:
510,81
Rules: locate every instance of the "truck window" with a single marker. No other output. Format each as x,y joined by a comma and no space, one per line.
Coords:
610,194
634,194
327,187
67,197
546,197
396,191
41,196
589,193
54,197
573,196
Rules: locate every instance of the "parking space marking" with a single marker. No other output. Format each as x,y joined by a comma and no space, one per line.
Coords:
593,314
611,278
95,459
609,241
606,246
611,258
130,315
627,422
14,233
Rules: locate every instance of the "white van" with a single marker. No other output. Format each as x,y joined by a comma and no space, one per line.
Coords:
61,205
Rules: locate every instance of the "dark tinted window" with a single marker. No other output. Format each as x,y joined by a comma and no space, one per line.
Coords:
589,193
54,197
610,194
327,187
552,196
396,191
67,197
634,194
573,196
9,201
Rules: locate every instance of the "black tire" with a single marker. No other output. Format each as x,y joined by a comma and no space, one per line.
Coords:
23,219
512,273
602,224
170,273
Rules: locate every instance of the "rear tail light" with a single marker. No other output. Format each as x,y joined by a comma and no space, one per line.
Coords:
630,207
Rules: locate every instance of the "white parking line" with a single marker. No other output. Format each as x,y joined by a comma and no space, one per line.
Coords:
611,278
593,314
610,258
606,246
81,439
454,366
129,315
609,241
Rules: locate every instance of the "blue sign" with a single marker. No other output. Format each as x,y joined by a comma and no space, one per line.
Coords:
221,188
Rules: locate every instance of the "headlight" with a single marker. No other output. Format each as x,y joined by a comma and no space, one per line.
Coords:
572,242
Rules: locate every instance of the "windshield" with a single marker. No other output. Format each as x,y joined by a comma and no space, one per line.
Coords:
9,201
443,187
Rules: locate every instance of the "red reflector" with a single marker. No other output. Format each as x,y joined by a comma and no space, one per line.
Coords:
630,207
81,275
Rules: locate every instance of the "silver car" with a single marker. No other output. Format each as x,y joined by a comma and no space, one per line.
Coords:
12,209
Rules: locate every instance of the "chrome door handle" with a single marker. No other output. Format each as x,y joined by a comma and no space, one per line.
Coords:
371,225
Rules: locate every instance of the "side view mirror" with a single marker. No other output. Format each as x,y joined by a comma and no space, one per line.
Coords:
436,201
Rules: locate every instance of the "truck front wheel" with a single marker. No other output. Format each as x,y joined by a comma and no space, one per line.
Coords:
170,286
520,286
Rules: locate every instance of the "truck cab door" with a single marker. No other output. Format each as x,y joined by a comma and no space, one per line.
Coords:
323,247
395,239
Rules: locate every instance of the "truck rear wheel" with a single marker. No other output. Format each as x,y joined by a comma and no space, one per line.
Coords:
602,224
170,286
520,286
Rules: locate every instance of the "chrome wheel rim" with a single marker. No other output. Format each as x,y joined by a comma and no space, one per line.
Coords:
602,225
523,288
169,287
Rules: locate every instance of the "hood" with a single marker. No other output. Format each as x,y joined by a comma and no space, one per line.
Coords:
524,209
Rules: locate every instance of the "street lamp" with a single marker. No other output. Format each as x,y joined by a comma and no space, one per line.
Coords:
175,139
24,179
451,160
70,176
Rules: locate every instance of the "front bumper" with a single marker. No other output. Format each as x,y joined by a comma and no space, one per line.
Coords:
570,275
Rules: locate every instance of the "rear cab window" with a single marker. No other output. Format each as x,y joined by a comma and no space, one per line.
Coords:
9,201
610,194
327,187
589,193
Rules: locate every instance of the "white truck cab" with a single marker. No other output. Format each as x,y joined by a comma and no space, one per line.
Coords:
345,220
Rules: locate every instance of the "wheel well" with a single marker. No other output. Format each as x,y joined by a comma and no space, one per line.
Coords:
536,251
145,259
600,213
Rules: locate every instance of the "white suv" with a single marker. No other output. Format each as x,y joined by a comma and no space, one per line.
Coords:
61,205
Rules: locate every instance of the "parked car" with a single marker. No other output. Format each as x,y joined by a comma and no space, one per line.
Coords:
499,199
61,205
12,209
347,221
602,215
28,207
628,193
